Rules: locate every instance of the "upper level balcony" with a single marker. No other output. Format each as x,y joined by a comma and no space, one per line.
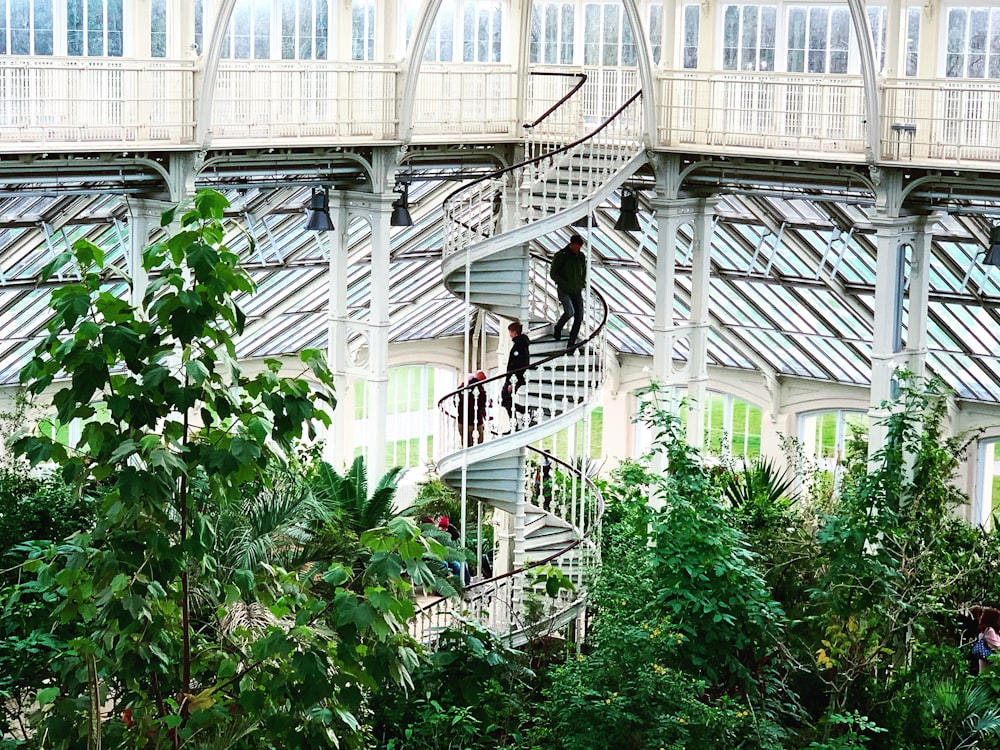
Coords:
51,104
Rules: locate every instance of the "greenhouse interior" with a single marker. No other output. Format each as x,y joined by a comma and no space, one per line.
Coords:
467,374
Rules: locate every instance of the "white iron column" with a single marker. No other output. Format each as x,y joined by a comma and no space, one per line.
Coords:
671,215
144,216
338,449
378,338
697,375
895,276
180,31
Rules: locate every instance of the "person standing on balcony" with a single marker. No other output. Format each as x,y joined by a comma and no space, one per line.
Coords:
517,360
569,271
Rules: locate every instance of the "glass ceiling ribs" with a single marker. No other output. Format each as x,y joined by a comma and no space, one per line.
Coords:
792,285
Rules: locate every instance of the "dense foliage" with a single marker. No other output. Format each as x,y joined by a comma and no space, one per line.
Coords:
182,577
211,608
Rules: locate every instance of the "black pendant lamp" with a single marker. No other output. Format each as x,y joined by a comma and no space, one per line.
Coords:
993,252
401,209
319,212
628,218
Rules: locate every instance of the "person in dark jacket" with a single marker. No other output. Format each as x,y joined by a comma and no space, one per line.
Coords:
519,357
569,271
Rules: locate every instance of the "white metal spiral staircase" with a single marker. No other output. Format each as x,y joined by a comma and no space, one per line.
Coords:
555,509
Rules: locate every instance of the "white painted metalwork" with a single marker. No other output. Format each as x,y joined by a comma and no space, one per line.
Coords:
49,102
546,185
465,99
786,113
284,101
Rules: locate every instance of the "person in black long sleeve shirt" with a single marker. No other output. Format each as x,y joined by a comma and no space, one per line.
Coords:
518,358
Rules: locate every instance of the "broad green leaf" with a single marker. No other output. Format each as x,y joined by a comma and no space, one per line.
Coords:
46,696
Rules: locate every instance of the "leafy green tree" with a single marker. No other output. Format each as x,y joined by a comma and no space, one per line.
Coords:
186,431
32,507
707,583
894,560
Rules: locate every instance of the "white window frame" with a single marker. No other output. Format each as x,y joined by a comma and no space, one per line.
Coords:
603,46
779,41
540,11
982,501
993,14
369,18
61,12
808,441
422,422
314,11
32,28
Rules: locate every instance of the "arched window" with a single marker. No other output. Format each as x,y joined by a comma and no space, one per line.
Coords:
987,496
732,425
411,412
823,437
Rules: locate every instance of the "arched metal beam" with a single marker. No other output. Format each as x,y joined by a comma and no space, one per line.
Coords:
414,59
411,66
210,70
645,64
869,80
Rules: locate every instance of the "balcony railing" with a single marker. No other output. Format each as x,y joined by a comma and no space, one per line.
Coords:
283,102
69,103
750,112
63,102
465,101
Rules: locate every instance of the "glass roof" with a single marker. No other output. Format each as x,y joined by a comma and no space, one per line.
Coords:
792,283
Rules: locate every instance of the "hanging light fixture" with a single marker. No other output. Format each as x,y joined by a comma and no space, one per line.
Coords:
319,212
628,218
400,207
993,252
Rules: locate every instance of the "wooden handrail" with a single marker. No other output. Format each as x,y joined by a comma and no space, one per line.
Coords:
558,104
446,400
569,547
549,155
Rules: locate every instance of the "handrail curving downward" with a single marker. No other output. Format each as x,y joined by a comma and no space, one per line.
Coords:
538,159
579,84
478,594
448,400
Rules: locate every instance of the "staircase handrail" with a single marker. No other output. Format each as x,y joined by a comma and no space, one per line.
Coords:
449,399
579,84
586,536
538,159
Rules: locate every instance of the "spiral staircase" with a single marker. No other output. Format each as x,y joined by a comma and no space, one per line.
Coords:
553,508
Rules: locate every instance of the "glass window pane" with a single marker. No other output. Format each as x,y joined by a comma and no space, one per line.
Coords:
74,27
912,40
692,14
566,48
95,29
592,34
535,34
612,19
656,31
